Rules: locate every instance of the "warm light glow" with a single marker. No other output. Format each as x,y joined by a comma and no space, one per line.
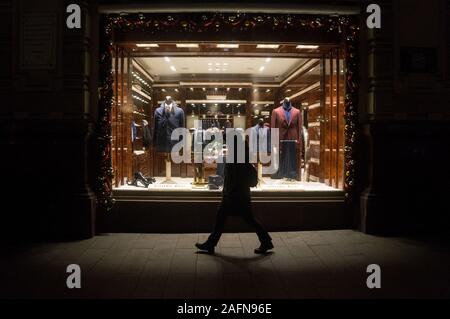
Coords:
267,46
301,46
167,59
173,68
147,45
262,68
187,45
268,60
227,46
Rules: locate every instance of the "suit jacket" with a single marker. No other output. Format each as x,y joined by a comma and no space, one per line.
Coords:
164,124
291,130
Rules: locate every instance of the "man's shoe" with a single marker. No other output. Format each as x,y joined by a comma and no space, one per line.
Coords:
206,247
263,248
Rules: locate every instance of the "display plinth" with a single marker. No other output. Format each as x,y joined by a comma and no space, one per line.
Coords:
260,174
199,176
168,179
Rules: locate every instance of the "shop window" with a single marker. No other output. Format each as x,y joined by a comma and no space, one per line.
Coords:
205,87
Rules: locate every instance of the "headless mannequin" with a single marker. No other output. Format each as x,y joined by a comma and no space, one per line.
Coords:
168,105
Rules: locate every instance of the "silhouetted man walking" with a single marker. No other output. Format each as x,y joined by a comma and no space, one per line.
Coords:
236,201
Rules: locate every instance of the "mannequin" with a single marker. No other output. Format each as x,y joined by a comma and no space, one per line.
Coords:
288,120
168,117
259,143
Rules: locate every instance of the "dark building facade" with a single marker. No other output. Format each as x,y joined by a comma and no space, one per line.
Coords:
52,140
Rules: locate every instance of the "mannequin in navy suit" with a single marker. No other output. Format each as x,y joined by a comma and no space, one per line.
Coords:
168,117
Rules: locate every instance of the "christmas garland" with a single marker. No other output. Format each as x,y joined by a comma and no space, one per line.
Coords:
343,27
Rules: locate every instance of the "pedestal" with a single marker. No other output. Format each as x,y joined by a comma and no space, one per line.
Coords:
168,179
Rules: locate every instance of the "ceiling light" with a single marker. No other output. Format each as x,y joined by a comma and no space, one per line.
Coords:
311,70
268,60
217,69
173,68
147,45
225,64
167,59
228,46
240,89
204,89
267,46
268,90
262,68
176,90
228,89
163,90
209,63
210,69
192,89
288,90
255,90
301,46
215,89
187,45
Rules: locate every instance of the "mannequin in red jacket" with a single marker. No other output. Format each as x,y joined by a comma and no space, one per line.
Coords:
288,120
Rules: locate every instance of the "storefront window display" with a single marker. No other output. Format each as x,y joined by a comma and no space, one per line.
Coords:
206,87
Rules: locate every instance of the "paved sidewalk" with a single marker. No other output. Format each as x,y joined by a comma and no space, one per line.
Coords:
312,264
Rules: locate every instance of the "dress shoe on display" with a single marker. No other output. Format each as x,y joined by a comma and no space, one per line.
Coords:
206,247
264,248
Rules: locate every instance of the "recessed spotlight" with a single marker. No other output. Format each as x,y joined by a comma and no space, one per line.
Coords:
209,63
203,89
192,89
210,69
225,64
167,59
302,46
288,90
267,46
217,69
228,89
163,90
227,46
187,45
255,90
176,90
262,68
147,45
240,89
268,60
268,90
173,68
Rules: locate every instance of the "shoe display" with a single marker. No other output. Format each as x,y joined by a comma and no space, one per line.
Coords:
139,177
205,247
264,248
